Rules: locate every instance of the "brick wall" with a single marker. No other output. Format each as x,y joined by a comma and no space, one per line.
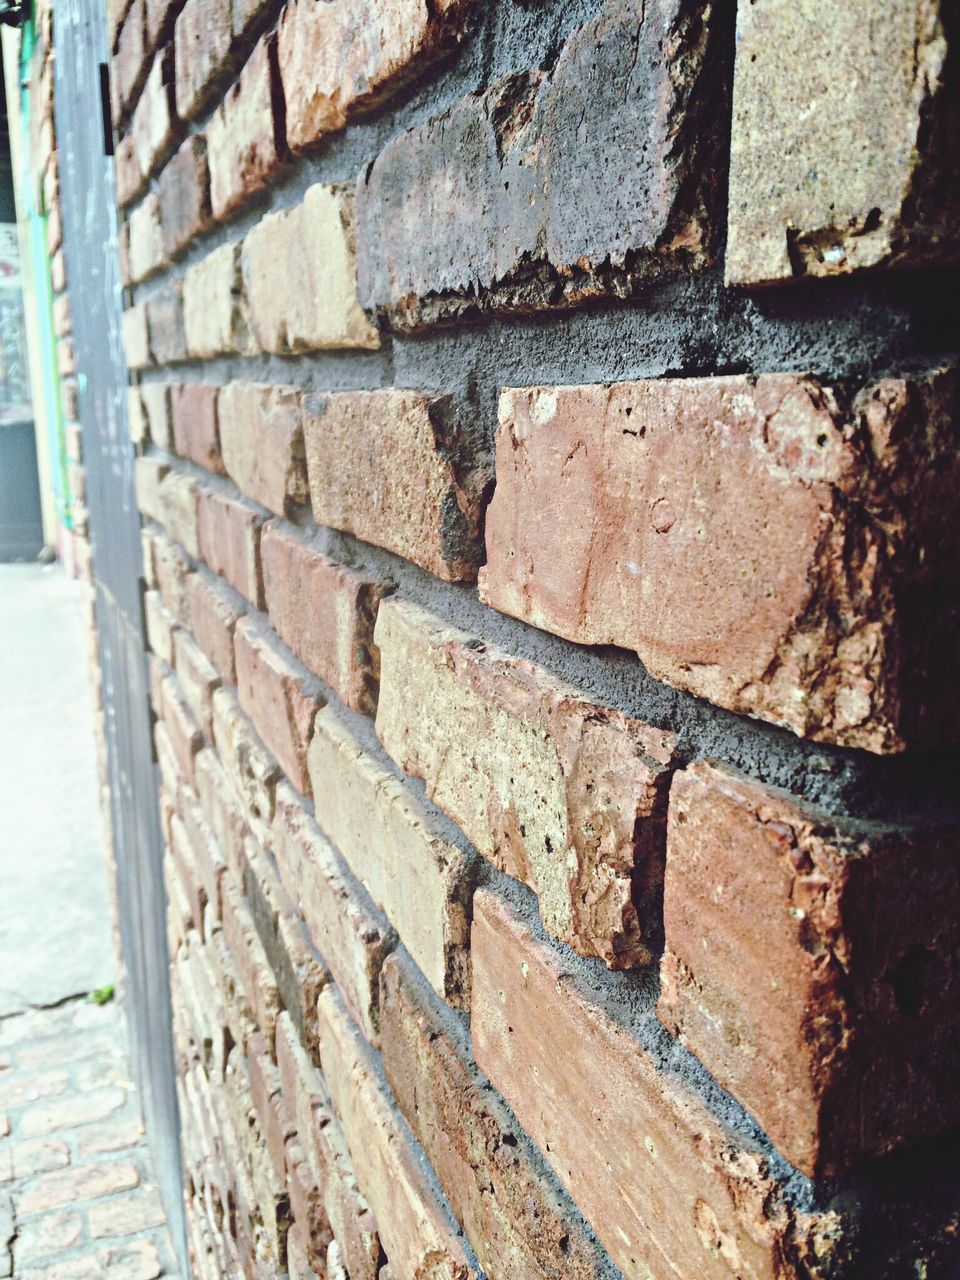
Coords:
551,579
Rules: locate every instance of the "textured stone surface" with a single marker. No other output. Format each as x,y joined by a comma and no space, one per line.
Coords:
230,541
299,270
146,239
397,850
325,613
567,796
811,967
513,1214
394,468
195,428
271,692
537,191
261,442
154,127
785,564
203,42
348,56
184,195
842,156
243,148
418,1234
214,304
213,618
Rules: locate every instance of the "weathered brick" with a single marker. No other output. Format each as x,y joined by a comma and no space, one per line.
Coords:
325,613
768,590
148,475
213,618
842,159
146,239
83,1183
194,424
214,304
416,1229
304,1092
809,966
136,336
306,1203
203,41
168,340
700,1195
349,56
567,796
393,468
180,509
299,271
398,850
245,149
537,193
160,17
172,567
62,321
184,195
219,807
275,1123
247,954
154,128
156,404
513,1213
185,736
271,691
58,271
130,64
352,934
198,679
230,541
130,179
261,442
160,624
250,771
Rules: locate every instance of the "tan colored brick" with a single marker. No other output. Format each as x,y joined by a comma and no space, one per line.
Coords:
203,41
381,466
214,305
160,624
261,441
417,1232
146,239
230,541
271,691
130,62
194,424
842,160
252,774
185,737
184,195
180,507
154,127
198,679
397,849
171,566
213,618
565,795
767,590
352,935
168,341
353,55
148,476
136,336
86,1182
130,179
125,1215
156,404
300,274
808,966
244,150
248,957
324,612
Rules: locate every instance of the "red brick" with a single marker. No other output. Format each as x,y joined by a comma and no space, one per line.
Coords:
699,1192
172,567
398,850
299,269
526,1227
154,126
203,40
271,692
325,613
809,966
536,193
230,541
244,150
261,440
764,591
215,305
180,508
196,430
353,54
184,195
165,321
416,1230
352,934
565,795
381,466
212,620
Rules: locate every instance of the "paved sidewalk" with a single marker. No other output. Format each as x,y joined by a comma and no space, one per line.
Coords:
77,1200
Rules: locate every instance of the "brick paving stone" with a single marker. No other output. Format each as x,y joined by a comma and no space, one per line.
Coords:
87,1182
112,1135
17,1090
43,1237
139,1260
39,1155
70,1111
126,1215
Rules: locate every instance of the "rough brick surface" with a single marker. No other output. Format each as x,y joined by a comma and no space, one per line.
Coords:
230,541
271,692
417,1232
393,468
215,312
841,159
347,56
154,127
184,195
848,1048
203,41
261,441
392,844
146,239
325,613
567,796
165,320
537,190
770,590
243,147
213,618
194,424
299,270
